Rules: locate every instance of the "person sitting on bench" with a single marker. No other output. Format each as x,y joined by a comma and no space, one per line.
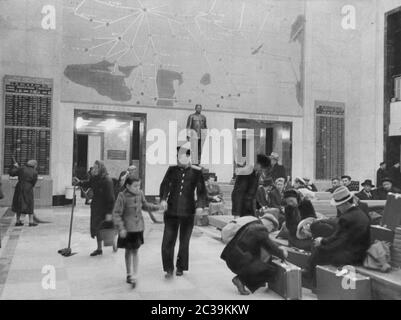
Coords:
349,243
297,209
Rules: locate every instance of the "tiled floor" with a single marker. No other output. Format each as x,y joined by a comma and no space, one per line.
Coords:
27,252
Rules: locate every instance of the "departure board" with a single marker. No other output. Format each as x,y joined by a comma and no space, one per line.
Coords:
27,121
329,141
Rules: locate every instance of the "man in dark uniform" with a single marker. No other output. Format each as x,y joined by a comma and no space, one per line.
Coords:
196,124
349,243
177,195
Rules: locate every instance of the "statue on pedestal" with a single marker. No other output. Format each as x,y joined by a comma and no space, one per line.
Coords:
195,124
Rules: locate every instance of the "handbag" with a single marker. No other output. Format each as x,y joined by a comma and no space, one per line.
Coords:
378,257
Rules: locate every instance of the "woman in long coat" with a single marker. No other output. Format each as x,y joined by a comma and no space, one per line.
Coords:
102,201
23,199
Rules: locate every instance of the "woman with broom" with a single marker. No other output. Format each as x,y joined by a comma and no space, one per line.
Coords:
102,201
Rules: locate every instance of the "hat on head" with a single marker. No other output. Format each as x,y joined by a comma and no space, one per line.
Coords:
303,226
367,182
301,180
291,194
274,155
280,180
32,163
183,150
346,177
267,181
263,160
340,196
270,217
387,179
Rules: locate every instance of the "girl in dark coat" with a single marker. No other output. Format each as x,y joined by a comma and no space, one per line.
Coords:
102,201
23,200
249,256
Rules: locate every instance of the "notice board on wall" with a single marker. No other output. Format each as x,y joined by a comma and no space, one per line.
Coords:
27,121
329,140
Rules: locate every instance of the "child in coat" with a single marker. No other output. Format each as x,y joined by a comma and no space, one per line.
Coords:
127,215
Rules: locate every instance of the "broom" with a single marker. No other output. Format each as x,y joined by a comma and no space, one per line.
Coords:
67,252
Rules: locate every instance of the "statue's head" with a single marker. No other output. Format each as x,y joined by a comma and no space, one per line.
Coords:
198,108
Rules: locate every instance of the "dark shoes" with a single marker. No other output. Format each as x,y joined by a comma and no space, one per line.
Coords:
33,224
19,224
240,286
96,253
169,274
179,273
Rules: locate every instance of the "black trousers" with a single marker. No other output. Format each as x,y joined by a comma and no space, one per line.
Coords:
171,227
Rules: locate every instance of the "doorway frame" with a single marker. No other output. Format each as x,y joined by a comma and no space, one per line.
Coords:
237,121
130,116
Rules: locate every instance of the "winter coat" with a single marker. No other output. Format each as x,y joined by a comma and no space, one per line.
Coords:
23,199
243,196
243,254
127,213
278,171
381,193
351,238
102,200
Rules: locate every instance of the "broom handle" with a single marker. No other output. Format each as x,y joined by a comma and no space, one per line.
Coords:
72,217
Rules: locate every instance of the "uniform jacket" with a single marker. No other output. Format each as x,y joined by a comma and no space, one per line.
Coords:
127,213
352,236
23,199
178,189
102,200
243,196
278,171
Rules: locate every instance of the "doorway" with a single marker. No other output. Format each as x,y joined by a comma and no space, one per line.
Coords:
116,138
267,137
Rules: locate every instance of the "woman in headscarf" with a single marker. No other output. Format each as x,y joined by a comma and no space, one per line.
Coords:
102,201
23,200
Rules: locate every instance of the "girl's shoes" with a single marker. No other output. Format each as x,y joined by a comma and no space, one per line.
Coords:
131,281
33,224
19,224
96,253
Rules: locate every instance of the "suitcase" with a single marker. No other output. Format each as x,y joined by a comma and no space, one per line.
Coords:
287,282
392,211
298,257
381,233
202,219
396,249
332,286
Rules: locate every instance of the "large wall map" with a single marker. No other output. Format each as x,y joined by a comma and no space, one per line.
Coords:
228,54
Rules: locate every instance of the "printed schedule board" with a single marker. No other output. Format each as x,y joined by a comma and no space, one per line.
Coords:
27,121
329,141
